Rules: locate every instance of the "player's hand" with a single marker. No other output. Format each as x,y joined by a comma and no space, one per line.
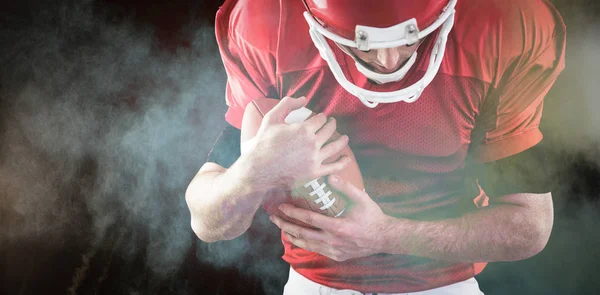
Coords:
293,153
358,233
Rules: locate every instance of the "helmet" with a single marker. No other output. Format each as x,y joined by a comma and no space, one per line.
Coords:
366,24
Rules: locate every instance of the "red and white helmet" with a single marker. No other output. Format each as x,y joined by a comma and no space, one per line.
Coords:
367,24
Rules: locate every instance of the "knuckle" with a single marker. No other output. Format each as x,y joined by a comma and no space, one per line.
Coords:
304,130
339,166
336,232
341,231
309,219
340,182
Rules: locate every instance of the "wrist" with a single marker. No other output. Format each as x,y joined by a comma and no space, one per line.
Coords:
246,170
397,234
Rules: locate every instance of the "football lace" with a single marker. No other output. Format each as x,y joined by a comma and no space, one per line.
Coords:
322,194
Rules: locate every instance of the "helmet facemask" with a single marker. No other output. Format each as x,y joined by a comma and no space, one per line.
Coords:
367,38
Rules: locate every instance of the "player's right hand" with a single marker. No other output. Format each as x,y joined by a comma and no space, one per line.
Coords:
292,153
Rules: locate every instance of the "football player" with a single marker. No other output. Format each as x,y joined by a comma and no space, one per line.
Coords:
441,102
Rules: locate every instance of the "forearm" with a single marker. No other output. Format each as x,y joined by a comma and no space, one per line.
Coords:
502,232
223,203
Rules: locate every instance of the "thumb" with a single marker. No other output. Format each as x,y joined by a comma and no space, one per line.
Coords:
353,193
284,108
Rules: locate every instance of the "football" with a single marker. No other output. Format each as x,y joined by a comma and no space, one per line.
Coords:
314,195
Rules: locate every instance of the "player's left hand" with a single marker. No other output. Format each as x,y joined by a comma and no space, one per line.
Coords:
358,233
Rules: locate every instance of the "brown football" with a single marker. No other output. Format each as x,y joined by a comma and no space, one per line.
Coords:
314,195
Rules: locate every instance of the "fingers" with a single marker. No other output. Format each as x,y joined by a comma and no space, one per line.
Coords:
334,148
326,131
296,230
347,188
316,122
284,108
309,217
334,167
298,242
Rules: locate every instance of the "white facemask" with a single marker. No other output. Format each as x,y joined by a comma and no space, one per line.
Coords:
387,78
376,38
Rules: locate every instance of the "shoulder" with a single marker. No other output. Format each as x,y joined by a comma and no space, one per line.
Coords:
249,22
490,34
519,25
273,27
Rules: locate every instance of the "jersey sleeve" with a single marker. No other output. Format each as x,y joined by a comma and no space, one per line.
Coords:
509,120
250,69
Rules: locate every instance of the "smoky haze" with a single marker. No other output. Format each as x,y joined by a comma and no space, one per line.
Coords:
102,128
103,125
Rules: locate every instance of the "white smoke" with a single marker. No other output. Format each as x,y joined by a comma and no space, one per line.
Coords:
101,130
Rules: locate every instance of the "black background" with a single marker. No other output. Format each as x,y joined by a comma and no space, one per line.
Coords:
107,110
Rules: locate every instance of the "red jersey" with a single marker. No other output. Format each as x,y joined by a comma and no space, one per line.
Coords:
485,103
